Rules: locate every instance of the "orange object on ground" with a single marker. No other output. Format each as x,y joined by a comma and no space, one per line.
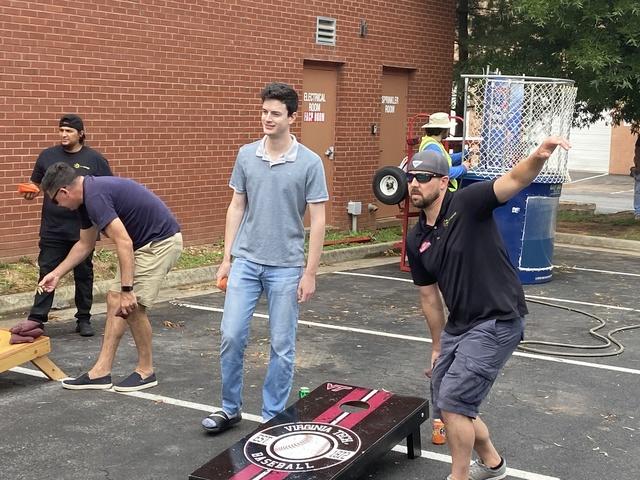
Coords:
28,188
222,284
438,434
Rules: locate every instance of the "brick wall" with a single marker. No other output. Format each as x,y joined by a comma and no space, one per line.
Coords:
168,90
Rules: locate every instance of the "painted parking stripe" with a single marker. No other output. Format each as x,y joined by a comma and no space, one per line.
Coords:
438,457
369,275
587,178
546,358
578,302
534,297
595,270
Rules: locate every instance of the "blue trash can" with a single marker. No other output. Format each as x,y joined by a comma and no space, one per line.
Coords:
527,224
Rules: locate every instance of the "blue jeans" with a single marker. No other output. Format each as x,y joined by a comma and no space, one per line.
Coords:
247,281
636,195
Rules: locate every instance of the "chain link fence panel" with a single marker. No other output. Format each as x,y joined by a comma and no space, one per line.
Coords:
507,117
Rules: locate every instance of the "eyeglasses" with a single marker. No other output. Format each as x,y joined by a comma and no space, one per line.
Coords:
53,198
421,177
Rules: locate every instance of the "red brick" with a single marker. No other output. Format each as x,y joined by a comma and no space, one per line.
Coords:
169,91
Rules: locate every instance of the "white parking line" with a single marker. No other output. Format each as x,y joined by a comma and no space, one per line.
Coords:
608,272
378,333
256,418
369,275
534,297
587,178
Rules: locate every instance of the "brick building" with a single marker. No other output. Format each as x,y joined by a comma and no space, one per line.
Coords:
169,90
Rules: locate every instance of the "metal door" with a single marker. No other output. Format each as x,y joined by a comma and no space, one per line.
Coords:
318,116
393,126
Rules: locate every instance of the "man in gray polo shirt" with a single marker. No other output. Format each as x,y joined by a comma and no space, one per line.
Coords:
273,181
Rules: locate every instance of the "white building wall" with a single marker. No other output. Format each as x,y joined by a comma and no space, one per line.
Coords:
591,147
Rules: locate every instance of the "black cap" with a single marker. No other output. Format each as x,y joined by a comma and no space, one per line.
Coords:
429,161
71,120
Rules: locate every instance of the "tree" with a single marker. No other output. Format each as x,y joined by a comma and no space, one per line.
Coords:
596,43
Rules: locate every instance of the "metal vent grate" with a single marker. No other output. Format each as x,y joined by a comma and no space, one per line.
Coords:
325,31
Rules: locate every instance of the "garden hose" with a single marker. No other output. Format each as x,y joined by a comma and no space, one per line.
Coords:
607,339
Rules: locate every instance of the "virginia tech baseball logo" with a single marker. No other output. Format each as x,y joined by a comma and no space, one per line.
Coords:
302,447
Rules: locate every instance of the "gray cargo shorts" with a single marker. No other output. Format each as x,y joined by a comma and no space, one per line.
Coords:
469,364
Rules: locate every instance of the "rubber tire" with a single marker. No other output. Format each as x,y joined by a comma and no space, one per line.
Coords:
390,185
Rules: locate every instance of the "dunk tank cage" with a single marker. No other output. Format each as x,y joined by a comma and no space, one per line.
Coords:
511,116
507,117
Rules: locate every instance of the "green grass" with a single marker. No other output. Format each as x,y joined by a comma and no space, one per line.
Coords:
382,235
193,257
618,225
618,219
22,275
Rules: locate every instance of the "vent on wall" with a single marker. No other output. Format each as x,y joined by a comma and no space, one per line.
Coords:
325,31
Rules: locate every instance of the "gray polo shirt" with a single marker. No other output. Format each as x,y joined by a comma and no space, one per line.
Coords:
278,191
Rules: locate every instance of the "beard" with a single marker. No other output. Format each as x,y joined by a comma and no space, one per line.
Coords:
423,201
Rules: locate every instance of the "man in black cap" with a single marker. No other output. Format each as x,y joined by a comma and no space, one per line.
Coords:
60,227
456,248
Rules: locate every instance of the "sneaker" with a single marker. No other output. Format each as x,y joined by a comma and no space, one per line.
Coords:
135,382
220,421
479,471
85,329
83,382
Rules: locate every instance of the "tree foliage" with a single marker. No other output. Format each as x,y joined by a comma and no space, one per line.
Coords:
596,43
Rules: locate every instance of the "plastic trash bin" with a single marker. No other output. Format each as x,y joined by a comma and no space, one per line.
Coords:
527,224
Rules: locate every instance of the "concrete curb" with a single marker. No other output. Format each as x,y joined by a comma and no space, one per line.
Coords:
598,242
22,301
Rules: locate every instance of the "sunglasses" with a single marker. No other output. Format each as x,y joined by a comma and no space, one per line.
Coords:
421,177
53,198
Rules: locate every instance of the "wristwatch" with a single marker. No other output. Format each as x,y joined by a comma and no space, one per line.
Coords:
126,288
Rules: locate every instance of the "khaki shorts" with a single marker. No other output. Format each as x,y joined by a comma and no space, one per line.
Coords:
153,262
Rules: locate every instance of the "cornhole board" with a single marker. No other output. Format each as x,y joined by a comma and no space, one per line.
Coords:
333,433
36,353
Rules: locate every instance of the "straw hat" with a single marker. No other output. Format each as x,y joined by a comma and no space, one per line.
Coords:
438,120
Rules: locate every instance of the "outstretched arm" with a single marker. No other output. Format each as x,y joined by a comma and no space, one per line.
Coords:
525,171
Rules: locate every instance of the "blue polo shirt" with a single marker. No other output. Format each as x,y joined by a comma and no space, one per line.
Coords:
278,191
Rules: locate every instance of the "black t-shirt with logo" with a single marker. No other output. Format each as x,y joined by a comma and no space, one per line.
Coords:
464,253
61,224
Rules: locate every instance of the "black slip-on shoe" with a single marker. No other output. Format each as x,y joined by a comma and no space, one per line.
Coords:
85,329
83,382
219,421
135,382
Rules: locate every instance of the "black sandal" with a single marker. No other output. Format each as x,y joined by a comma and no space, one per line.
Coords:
219,421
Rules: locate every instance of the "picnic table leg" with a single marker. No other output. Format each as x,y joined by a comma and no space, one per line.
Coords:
49,368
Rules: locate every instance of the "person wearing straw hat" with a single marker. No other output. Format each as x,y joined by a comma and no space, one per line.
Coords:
436,130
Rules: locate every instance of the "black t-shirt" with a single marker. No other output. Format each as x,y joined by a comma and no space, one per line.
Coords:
61,224
464,253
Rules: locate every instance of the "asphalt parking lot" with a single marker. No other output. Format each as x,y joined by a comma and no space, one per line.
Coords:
608,193
552,417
